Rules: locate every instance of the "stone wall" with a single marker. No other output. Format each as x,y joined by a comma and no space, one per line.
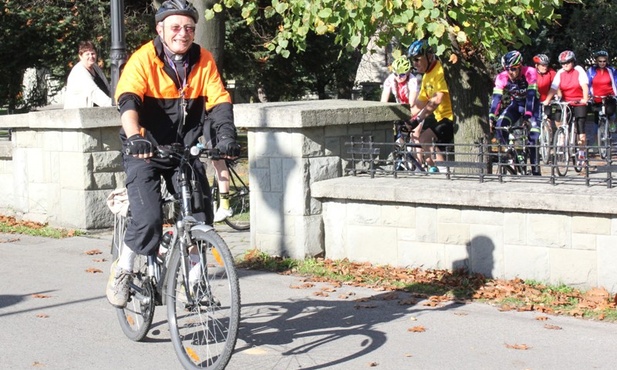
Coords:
60,166
292,145
560,234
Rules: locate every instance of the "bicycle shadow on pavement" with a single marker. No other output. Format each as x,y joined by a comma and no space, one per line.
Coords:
317,325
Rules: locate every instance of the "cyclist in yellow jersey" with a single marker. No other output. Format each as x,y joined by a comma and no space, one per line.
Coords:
434,98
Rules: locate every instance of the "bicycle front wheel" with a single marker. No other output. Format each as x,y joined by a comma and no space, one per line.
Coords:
545,142
561,152
603,135
135,319
204,319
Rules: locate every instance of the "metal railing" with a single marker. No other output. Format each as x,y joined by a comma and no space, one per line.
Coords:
483,162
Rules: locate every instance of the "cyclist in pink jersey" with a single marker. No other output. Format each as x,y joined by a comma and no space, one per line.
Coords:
521,84
602,78
572,81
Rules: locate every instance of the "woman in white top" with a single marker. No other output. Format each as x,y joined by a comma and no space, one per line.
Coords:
401,83
87,85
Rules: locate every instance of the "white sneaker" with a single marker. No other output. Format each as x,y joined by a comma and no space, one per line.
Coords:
222,213
118,286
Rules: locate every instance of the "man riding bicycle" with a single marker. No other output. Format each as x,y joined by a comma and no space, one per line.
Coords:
521,84
167,90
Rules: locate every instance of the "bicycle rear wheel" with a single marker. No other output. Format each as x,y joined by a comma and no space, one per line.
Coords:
603,137
561,151
135,319
203,322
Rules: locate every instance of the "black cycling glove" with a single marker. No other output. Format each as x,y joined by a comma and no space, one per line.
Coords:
228,146
137,144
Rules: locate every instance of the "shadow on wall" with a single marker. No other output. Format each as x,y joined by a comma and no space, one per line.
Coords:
479,257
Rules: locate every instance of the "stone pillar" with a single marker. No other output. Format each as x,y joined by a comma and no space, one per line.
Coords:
291,145
61,166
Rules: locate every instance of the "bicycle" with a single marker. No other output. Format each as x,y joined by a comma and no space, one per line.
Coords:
604,129
564,141
516,151
203,319
546,135
239,200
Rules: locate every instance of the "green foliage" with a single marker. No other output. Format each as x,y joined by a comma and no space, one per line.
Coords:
488,27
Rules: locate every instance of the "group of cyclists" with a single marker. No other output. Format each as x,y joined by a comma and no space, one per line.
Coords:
424,88
520,92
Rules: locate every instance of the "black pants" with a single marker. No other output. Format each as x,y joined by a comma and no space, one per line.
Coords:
143,183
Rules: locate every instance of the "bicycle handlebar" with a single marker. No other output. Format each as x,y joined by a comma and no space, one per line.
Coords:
177,150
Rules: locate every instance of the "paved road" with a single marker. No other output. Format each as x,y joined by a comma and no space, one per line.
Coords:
54,315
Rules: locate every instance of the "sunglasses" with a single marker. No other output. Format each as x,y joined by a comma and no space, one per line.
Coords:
513,69
401,75
563,64
187,28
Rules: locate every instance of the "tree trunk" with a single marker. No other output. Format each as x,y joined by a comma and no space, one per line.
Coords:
211,34
470,88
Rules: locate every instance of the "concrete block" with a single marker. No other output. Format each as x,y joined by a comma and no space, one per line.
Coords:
313,142
103,181
485,256
98,216
108,161
309,236
423,255
591,225
398,216
72,212
452,233
549,230
110,138
456,257
372,244
275,144
449,215
76,170
34,158
334,147
526,263
270,213
277,177
426,225
335,230
584,241
606,257
52,140
576,267
360,214
482,216
514,228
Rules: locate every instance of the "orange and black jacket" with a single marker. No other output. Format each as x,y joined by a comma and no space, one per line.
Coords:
150,86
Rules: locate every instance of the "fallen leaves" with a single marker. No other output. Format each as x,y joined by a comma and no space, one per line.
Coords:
94,270
42,315
40,296
93,252
522,347
417,329
552,327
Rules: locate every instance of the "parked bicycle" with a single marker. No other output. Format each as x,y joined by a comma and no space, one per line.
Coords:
203,303
513,158
239,201
564,141
604,127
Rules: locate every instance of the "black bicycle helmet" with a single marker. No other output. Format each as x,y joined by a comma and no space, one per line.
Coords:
600,53
176,7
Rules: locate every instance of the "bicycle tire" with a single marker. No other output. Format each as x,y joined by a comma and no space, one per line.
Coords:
603,137
545,142
136,318
561,152
239,202
204,333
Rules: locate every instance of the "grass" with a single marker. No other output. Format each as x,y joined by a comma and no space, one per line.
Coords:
445,285
10,225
